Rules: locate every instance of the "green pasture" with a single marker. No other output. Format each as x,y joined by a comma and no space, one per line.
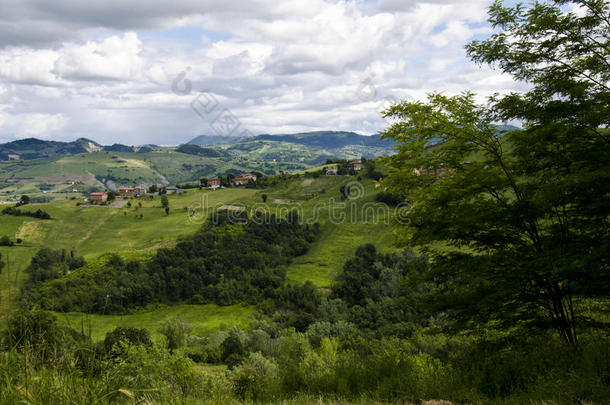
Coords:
204,319
144,227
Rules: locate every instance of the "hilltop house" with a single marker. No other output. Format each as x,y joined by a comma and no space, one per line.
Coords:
331,170
99,197
213,182
355,164
132,191
244,179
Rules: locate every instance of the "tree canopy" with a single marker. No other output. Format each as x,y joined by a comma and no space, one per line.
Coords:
526,211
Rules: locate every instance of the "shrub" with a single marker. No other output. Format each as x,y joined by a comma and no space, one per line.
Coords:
6,241
130,335
256,379
175,331
36,331
234,347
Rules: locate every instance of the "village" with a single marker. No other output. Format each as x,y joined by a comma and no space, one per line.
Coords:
211,183
215,182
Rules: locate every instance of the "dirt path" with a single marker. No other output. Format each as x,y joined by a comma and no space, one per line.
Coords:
96,227
118,203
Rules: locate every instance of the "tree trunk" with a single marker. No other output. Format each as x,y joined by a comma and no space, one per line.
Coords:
561,310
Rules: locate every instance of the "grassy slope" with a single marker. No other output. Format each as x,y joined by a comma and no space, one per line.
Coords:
97,230
204,319
340,237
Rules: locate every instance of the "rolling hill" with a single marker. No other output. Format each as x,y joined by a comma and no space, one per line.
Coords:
50,170
32,148
94,231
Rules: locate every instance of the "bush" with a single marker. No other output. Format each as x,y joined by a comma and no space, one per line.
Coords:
129,335
256,379
390,198
6,241
36,331
234,347
36,214
175,331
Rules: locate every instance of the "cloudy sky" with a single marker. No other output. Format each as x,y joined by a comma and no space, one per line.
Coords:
152,71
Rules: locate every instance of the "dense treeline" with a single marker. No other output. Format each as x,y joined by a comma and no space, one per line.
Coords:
48,264
231,260
34,214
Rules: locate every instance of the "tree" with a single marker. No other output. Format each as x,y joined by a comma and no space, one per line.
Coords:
175,331
563,56
264,197
531,206
166,210
164,201
6,241
24,200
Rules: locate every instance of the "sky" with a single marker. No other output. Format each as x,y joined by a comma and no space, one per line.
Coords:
162,72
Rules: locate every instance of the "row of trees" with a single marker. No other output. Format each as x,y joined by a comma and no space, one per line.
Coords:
34,214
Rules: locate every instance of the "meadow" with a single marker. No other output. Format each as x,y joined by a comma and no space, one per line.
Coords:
138,231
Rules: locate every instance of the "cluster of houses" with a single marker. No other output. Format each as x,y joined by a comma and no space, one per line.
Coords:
352,165
132,191
213,183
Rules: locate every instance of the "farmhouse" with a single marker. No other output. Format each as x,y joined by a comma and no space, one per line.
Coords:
100,197
174,190
244,179
355,164
13,157
332,170
213,182
132,191
127,191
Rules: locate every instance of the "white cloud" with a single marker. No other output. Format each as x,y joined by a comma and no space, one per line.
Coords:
26,125
115,58
104,69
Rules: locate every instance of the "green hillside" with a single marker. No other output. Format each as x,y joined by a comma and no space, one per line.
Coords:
53,177
94,231
52,171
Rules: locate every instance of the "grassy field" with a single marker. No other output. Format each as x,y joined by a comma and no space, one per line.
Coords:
204,319
345,225
144,227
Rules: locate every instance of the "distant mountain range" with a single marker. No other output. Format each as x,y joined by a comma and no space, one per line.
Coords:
310,148
317,139
32,148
